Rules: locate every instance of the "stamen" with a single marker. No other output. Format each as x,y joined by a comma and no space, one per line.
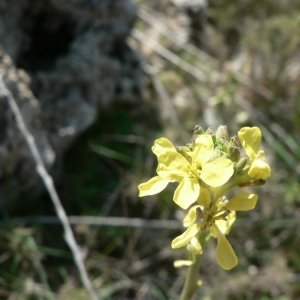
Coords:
199,212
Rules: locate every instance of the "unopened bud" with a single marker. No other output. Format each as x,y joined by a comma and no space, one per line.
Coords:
183,151
222,132
190,146
241,165
198,130
211,132
234,141
224,145
257,182
234,153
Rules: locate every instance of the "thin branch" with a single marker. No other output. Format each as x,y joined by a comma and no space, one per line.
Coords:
154,22
102,221
48,182
168,112
168,55
204,57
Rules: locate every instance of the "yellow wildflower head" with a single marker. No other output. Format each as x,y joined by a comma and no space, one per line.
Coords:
206,169
191,174
250,138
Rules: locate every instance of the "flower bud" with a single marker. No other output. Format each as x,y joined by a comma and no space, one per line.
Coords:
190,146
257,182
198,130
211,132
224,145
222,132
234,153
183,151
241,166
234,141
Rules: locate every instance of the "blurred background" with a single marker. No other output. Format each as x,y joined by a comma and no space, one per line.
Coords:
97,82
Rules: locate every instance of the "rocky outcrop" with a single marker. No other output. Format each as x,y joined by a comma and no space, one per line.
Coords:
62,60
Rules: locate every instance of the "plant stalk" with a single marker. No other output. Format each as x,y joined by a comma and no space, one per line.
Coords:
190,285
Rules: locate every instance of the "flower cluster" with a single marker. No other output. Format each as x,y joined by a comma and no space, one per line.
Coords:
206,170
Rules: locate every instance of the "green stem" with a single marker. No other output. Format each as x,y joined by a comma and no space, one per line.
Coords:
190,286
224,189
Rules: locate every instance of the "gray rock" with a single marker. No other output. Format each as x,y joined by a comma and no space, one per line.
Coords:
63,60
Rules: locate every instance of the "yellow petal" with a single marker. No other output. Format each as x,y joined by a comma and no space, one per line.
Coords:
213,231
153,186
196,246
230,220
224,226
187,192
217,172
162,145
250,138
242,202
186,237
171,164
259,169
204,148
183,263
204,198
191,216
225,255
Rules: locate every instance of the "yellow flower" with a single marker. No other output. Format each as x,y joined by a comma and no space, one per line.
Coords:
250,139
225,255
174,167
217,218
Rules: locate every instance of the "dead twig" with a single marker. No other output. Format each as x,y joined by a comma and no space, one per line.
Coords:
5,94
102,221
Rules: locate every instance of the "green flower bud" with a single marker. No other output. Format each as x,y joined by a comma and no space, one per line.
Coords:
222,132
241,163
211,132
241,166
198,130
190,146
234,153
224,145
183,151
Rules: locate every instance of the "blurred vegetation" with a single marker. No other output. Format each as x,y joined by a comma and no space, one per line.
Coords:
240,67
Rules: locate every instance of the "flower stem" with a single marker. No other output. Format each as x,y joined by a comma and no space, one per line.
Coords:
190,286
